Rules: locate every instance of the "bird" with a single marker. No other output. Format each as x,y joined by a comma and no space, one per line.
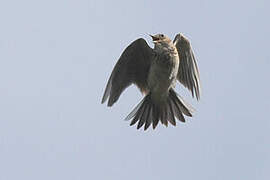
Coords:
155,71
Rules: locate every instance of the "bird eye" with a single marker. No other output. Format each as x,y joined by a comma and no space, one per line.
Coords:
162,35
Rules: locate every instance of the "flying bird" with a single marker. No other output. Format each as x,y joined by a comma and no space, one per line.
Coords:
155,72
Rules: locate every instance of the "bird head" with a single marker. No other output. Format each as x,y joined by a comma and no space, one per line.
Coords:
159,38
162,42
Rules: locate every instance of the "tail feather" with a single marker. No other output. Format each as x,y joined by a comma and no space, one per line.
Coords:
147,112
163,115
171,114
134,120
148,118
134,111
177,111
182,105
143,116
137,116
156,115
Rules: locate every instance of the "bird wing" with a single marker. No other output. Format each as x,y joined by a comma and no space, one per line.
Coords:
188,73
131,68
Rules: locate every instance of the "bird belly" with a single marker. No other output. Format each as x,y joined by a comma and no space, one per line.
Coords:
162,75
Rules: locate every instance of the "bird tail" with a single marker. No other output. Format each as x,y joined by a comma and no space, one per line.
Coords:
147,112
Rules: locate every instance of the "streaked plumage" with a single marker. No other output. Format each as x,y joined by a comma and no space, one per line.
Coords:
155,72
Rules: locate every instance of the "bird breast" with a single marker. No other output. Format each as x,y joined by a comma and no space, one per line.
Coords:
163,72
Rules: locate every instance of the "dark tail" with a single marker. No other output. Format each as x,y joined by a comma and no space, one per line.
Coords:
147,113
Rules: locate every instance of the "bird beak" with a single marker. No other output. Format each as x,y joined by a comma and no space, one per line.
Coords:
154,38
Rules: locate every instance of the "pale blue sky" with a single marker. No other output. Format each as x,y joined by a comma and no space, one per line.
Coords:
55,60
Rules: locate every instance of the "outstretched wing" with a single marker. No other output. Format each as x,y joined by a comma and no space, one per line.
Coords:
132,67
188,73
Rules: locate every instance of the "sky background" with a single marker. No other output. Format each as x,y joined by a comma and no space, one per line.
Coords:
56,57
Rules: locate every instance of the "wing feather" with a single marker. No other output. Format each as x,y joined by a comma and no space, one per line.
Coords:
188,73
131,68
